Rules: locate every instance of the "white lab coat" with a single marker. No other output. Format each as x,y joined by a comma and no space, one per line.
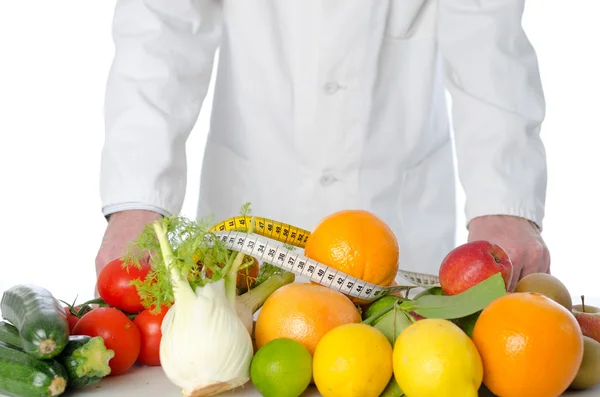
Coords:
322,105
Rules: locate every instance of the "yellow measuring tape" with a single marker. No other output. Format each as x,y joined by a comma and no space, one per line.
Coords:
278,231
232,232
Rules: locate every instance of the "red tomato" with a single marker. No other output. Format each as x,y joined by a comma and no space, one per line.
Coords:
120,334
71,318
149,326
115,289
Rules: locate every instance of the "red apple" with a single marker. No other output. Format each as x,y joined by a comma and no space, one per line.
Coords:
471,263
588,318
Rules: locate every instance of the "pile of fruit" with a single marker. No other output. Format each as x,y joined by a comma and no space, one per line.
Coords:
467,336
182,300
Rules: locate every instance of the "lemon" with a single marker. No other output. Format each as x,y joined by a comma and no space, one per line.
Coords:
435,358
352,360
281,368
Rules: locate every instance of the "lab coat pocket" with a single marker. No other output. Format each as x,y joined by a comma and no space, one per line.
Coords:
409,19
426,207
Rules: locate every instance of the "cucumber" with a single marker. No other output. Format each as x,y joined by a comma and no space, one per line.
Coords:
85,358
22,375
39,318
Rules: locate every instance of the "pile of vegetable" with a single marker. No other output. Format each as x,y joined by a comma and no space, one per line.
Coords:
38,354
178,299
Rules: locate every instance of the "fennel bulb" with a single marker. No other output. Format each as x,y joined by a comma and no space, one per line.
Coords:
205,348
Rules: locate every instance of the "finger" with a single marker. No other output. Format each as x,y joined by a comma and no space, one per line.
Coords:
546,261
516,274
535,262
515,259
515,279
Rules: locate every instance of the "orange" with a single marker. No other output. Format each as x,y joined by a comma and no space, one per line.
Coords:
303,312
530,346
357,243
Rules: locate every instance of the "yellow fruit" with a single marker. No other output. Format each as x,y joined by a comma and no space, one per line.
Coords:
435,358
352,360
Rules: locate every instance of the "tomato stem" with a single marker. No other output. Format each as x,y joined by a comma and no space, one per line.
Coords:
84,307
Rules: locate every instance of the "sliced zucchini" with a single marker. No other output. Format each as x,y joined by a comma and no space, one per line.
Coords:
39,318
22,375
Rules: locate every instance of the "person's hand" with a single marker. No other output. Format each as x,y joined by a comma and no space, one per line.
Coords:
123,227
521,240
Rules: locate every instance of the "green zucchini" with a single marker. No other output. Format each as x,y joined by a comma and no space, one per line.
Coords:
85,358
10,335
39,318
22,375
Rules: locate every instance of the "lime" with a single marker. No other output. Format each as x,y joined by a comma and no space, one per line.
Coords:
281,368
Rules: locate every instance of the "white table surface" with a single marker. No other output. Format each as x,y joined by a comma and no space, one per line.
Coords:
151,382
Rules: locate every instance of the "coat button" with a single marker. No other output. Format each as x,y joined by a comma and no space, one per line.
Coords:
327,180
331,87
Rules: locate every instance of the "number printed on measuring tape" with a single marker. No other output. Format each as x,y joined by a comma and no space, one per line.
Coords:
277,254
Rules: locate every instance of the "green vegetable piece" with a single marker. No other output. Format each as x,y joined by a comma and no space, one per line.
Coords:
39,318
393,323
86,360
10,335
464,304
392,389
23,375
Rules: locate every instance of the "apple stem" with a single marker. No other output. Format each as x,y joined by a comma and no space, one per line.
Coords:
582,303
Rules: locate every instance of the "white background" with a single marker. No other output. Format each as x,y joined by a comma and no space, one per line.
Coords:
54,59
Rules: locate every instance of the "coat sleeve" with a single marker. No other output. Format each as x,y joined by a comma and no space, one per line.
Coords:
497,107
164,54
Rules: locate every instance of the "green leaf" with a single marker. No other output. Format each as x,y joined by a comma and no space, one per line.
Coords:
392,389
392,324
464,304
